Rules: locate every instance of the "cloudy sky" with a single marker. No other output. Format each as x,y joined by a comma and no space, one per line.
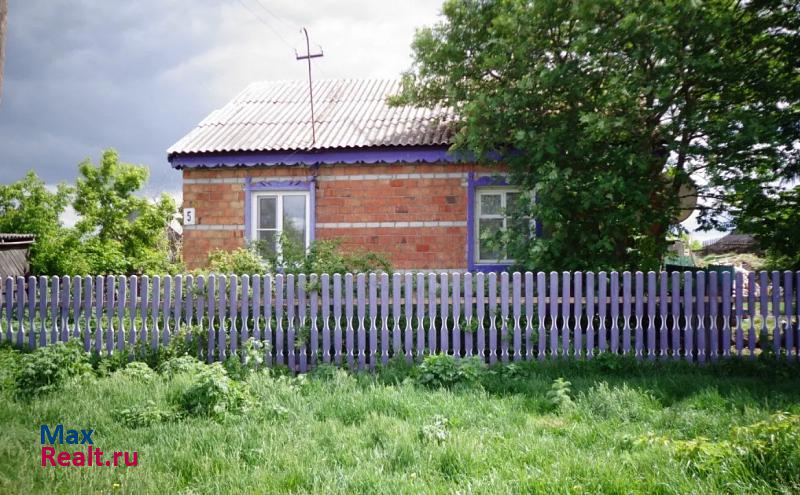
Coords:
85,75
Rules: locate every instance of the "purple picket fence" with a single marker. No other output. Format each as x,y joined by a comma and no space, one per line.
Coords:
363,320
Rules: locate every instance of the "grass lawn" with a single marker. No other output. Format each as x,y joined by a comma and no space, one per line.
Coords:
340,433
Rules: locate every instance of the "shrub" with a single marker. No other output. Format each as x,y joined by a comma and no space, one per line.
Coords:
144,415
213,393
185,364
252,356
395,371
244,260
442,370
137,371
558,396
47,368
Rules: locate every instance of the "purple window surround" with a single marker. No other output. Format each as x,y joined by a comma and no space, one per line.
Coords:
250,187
473,183
388,154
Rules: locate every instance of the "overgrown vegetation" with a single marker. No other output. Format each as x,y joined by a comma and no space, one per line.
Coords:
602,426
322,256
608,112
117,232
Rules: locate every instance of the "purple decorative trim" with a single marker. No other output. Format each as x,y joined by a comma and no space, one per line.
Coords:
473,183
279,185
396,154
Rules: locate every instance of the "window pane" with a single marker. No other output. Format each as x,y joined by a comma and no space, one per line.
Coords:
294,219
512,202
487,228
490,204
267,213
266,242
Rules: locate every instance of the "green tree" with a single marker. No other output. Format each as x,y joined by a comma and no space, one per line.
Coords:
604,109
28,207
123,232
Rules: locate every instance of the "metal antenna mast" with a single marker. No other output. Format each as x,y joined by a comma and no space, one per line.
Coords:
308,56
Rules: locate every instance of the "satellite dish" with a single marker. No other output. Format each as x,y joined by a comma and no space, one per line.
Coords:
687,198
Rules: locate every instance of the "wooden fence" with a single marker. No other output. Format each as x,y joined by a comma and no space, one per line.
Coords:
365,319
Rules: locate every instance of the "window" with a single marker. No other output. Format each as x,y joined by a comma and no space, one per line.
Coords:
276,213
493,213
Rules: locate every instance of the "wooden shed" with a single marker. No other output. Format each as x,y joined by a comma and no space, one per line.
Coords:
14,254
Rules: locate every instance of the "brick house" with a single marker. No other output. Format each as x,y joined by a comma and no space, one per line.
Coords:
379,178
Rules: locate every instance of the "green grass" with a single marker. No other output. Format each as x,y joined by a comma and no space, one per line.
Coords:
354,434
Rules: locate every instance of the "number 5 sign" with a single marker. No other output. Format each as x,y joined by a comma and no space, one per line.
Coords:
188,216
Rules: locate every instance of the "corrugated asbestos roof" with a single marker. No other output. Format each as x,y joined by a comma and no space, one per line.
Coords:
353,113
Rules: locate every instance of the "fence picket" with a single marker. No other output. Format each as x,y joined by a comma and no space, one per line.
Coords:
31,300
480,312
468,316
267,283
457,330
397,290
373,321
700,330
313,281
361,295
577,286
303,326
663,311
279,355
43,311
516,284
291,326
725,311
651,315
602,305
326,313
688,294
432,313
739,301
444,311
337,318
408,312
553,314
590,312
614,297
350,330
492,313
566,285
626,312
639,314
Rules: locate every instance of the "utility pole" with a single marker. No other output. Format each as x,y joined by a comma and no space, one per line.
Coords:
308,56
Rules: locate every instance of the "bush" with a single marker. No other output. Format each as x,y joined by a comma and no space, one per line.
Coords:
185,364
214,394
558,396
252,356
395,371
242,261
435,431
444,371
136,371
47,368
145,415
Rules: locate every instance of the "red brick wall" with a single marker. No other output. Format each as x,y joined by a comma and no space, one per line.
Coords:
425,199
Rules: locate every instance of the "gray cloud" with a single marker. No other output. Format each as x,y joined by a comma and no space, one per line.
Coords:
89,74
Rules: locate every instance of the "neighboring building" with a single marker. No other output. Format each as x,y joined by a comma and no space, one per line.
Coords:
731,243
14,254
378,178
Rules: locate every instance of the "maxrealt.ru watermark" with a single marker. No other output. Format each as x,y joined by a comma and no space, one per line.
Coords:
92,456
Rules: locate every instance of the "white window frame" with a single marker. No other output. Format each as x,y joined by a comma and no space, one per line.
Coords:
481,191
278,195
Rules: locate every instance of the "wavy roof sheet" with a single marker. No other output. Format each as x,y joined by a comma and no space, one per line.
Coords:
352,113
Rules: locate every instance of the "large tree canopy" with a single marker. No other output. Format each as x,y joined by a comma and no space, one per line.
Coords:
604,109
117,230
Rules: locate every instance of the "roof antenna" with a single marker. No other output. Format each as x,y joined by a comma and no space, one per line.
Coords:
308,56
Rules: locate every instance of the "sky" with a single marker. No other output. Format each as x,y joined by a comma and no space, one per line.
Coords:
85,75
